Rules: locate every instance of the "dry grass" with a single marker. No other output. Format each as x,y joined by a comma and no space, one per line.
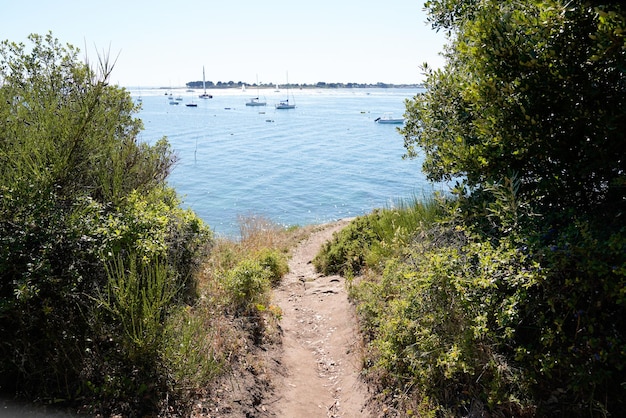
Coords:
259,233
233,342
231,338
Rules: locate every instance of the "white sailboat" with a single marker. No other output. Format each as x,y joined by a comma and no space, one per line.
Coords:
255,101
284,104
204,95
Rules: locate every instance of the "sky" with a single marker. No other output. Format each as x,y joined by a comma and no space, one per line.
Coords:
167,43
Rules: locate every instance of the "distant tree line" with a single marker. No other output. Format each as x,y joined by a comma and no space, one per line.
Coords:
318,85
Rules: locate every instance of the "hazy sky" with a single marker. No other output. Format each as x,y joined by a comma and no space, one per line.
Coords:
166,43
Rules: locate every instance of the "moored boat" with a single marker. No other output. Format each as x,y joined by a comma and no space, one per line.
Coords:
255,102
388,118
284,104
204,95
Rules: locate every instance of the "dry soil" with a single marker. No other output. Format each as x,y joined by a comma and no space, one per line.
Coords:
320,354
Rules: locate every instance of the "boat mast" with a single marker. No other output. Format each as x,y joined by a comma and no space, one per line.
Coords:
204,95
203,81
288,89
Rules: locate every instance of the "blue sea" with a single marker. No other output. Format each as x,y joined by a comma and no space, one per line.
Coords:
324,160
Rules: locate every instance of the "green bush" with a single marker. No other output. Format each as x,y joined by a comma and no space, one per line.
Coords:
371,238
275,263
78,193
496,314
248,284
138,297
153,225
345,253
441,318
534,88
571,336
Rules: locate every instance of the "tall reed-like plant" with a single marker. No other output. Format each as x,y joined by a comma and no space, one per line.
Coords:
397,226
138,296
369,239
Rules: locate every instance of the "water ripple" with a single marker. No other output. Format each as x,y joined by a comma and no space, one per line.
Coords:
324,160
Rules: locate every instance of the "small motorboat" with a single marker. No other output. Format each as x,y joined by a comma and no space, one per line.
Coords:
388,118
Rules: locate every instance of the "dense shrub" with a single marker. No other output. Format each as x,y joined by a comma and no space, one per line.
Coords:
275,263
248,284
528,112
95,252
345,253
533,88
571,334
375,236
441,321
495,316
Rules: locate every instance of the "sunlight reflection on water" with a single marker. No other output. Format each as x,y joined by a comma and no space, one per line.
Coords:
325,160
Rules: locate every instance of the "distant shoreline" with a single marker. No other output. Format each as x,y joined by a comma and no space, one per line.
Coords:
319,85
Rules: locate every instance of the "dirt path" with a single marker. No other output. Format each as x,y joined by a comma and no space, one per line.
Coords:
321,351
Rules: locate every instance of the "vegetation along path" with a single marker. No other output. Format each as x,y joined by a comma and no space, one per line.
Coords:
321,348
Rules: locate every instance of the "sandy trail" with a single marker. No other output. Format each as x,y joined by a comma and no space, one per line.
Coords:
321,351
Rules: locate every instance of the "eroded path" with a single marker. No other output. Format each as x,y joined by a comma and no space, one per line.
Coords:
321,351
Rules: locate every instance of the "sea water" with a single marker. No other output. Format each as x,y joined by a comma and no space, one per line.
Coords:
324,160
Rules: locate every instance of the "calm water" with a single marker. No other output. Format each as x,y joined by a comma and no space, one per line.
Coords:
322,161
